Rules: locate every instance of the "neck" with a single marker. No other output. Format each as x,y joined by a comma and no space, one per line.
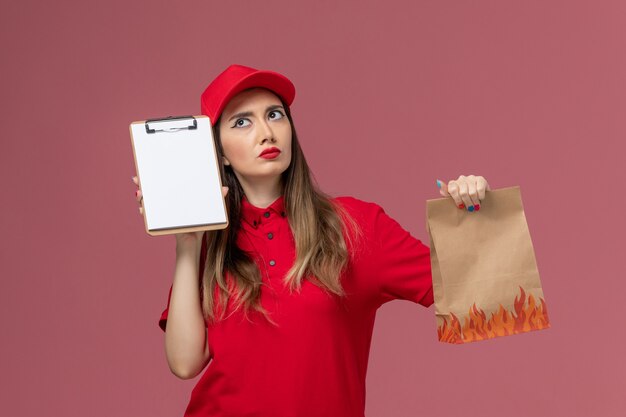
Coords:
261,192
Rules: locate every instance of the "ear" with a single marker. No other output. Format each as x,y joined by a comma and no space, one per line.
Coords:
225,161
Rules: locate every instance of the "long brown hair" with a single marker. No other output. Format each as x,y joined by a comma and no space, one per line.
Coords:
318,225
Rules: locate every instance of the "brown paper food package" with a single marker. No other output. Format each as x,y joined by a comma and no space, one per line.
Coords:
485,278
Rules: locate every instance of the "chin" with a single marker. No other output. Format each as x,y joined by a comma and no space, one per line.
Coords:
276,168
273,171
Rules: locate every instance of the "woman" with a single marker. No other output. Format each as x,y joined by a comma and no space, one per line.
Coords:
285,306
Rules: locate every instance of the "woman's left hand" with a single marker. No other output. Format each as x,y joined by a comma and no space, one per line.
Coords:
467,192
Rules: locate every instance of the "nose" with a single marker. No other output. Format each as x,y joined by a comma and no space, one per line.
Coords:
266,134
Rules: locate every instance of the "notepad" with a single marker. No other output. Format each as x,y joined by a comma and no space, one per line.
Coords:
178,174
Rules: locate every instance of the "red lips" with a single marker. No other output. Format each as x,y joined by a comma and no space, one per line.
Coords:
270,150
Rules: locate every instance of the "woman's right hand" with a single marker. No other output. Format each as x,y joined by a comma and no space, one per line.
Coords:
182,239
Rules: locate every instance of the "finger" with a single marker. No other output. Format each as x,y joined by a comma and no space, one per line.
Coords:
138,195
136,180
453,190
464,195
481,186
140,210
443,188
472,190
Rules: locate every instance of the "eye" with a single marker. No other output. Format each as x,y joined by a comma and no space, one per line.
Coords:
241,123
276,115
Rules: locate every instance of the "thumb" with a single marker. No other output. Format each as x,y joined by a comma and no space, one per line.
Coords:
443,188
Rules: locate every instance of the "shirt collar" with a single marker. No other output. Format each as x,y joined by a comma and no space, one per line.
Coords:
254,216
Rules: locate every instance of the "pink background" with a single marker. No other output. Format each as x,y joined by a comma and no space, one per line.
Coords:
389,98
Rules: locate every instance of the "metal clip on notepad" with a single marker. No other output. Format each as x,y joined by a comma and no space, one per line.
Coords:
171,124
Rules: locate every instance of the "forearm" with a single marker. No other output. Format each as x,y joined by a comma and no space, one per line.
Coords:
186,346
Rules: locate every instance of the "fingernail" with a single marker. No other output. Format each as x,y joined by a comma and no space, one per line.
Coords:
470,208
477,207
461,206
136,193
438,183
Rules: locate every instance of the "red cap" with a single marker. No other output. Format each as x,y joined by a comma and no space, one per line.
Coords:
237,78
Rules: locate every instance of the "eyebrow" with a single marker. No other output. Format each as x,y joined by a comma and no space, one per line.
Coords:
249,113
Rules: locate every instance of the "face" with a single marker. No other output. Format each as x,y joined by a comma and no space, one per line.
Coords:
253,121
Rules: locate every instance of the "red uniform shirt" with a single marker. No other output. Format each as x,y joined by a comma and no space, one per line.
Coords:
314,364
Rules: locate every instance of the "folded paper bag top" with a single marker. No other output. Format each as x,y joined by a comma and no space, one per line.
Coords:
485,278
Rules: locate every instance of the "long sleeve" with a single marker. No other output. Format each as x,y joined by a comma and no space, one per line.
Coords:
203,255
389,262
402,263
